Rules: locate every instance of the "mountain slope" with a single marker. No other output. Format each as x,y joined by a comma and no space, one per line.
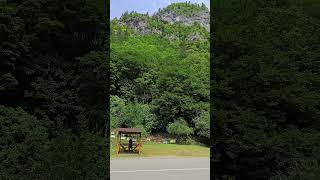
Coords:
160,73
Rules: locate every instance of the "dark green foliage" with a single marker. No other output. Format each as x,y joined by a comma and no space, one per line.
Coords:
266,90
202,126
53,89
180,129
80,156
131,115
22,137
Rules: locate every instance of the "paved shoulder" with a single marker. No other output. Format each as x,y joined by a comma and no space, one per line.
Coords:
161,168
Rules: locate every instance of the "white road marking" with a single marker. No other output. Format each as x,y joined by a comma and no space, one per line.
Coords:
159,170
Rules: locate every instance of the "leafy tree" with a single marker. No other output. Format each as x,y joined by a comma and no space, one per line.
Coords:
52,60
22,137
117,106
179,129
79,159
202,126
264,80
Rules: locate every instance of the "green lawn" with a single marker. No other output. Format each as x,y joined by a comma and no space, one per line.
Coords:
151,149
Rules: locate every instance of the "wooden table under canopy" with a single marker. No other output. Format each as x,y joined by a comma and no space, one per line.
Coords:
134,133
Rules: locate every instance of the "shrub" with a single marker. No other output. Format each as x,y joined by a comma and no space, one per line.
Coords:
180,129
202,126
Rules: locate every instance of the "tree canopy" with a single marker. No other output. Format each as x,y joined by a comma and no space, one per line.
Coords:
265,88
53,65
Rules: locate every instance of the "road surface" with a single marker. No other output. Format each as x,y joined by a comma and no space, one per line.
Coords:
167,168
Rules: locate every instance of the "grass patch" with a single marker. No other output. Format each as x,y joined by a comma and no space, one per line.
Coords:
151,149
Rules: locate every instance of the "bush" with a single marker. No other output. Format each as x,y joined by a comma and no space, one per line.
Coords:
21,138
190,141
75,157
117,106
144,133
202,126
131,115
180,129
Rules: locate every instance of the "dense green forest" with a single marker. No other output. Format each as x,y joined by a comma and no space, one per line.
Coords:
265,90
265,86
161,84
53,89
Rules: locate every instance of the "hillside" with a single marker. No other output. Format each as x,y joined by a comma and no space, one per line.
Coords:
52,69
265,84
185,13
160,72
178,19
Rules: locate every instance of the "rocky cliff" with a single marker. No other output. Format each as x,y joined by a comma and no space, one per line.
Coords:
188,15
182,14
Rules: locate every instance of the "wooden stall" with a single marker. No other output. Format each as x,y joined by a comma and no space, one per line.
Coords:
122,143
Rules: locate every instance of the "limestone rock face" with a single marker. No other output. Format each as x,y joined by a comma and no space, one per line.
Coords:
202,18
140,23
194,36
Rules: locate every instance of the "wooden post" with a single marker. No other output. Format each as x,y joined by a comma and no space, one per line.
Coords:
140,145
118,141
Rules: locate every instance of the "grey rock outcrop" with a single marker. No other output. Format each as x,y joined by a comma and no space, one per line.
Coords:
194,36
202,18
140,24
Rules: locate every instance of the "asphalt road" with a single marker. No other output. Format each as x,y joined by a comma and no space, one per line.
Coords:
168,168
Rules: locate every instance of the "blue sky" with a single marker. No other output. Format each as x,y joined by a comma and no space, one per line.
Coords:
118,7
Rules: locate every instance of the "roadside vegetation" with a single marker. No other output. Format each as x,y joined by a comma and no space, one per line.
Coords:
265,90
53,66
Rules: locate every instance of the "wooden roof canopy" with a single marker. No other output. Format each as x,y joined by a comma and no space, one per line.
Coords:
128,130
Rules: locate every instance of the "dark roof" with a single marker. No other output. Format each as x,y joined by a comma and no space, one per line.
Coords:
129,130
